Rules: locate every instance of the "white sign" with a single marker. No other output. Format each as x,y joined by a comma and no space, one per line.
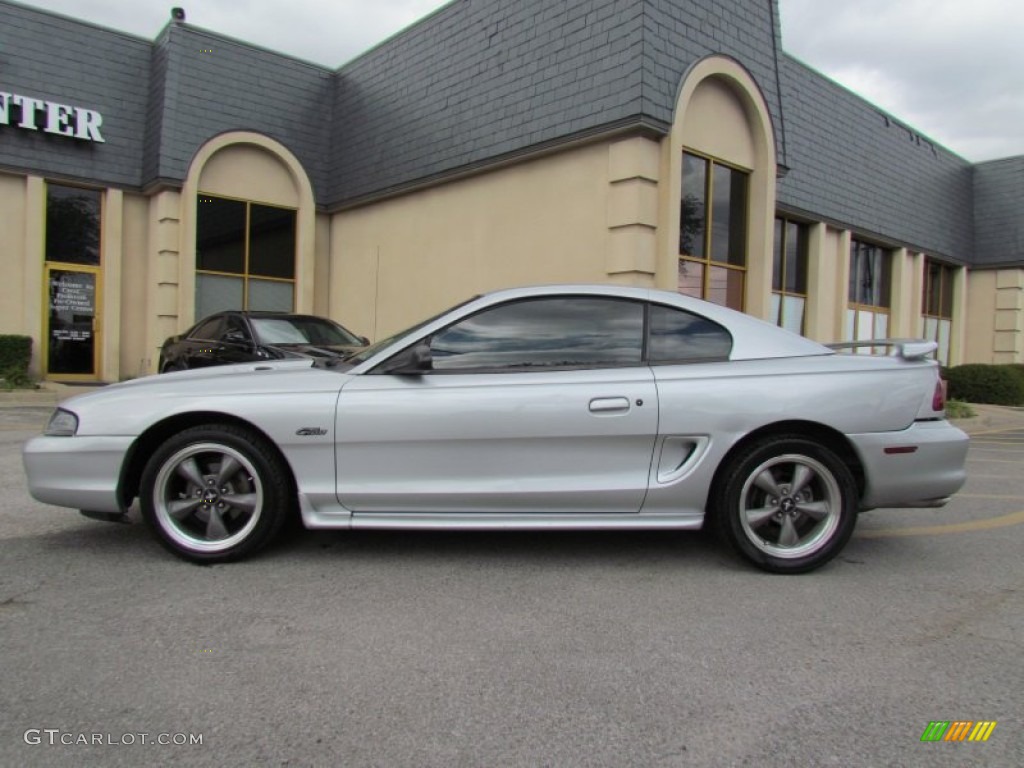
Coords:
49,116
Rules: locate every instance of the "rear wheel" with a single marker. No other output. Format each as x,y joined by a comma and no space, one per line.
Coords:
787,504
215,493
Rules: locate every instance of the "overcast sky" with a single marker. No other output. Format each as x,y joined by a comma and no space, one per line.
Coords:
954,70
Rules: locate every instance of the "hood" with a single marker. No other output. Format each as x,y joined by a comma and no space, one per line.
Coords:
238,378
320,350
129,407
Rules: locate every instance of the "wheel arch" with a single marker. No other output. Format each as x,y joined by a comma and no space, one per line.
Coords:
831,438
145,444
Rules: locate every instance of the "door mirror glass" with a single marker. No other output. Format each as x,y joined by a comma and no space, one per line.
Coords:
235,336
412,362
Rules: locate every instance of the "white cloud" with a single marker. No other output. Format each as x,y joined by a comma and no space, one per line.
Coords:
327,32
952,70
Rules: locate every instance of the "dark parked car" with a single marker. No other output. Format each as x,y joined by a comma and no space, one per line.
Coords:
243,337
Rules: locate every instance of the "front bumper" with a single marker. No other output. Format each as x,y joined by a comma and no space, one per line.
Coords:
77,472
926,464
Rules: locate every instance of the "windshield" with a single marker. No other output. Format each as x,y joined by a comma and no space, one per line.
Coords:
302,330
365,354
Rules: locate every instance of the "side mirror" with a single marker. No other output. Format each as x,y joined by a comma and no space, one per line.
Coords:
235,337
412,362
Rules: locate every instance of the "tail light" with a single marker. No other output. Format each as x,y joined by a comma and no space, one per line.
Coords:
939,398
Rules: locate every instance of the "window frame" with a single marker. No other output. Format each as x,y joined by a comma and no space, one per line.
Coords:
100,208
779,251
947,277
546,368
386,366
946,271
246,276
707,261
860,308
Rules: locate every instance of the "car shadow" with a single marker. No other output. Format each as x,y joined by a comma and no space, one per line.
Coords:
133,541
502,547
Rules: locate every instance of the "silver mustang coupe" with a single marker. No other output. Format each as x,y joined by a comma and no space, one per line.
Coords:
569,407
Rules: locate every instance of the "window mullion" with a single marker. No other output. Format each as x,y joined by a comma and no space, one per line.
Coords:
709,205
245,260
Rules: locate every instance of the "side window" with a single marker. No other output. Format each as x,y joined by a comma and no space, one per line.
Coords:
211,330
537,334
681,337
234,331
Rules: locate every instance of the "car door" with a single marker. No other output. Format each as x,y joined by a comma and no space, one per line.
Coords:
533,406
223,341
198,349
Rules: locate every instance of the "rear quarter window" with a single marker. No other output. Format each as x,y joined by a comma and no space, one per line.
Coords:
677,336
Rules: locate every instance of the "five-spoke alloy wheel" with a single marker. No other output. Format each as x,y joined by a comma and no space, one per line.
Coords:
787,504
215,493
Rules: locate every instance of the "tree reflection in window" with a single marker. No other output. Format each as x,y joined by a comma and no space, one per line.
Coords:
713,231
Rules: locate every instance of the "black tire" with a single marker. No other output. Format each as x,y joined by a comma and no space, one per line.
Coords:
170,367
215,493
787,504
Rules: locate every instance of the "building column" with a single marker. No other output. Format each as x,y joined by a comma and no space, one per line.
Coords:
162,270
112,232
1009,328
821,280
633,174
958,325
905,296
841,288
34,259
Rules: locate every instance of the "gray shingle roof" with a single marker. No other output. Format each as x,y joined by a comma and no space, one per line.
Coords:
480,81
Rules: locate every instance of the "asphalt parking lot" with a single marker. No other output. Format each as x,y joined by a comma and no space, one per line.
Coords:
562,649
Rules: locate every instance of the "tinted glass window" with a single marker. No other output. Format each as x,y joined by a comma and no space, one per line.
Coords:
693,210
729,216
271,241
72,225
234,330
870,269
220,235
210,329
678,336
544,333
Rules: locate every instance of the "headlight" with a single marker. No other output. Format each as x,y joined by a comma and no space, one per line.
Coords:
62,424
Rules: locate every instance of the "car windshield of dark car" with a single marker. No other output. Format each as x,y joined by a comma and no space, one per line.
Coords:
282,331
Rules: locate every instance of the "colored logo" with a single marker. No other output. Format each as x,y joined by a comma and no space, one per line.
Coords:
958,730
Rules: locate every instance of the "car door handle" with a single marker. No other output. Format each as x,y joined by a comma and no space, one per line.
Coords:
609,404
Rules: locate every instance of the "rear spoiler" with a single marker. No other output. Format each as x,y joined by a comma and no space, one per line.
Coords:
908,349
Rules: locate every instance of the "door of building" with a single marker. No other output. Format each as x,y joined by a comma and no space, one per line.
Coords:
71,341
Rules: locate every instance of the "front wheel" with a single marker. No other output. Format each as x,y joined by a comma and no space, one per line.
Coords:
215,493
787,504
